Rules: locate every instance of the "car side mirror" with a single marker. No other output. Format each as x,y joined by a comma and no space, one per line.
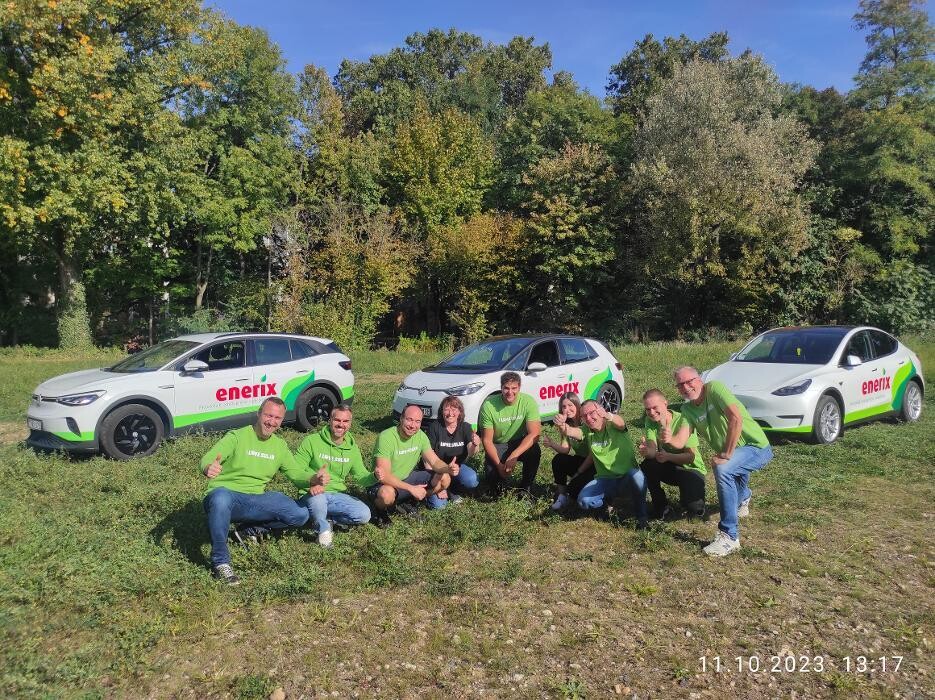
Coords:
733,356
853,361
195,366
536,367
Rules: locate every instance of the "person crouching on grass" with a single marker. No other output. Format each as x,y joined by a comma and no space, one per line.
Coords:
611,452
454,441
238,468
569,453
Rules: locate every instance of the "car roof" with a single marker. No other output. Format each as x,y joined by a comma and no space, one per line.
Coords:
208,337
810,328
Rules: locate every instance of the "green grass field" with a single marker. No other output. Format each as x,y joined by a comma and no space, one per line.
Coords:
105,592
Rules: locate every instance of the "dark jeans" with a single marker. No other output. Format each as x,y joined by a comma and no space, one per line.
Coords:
564,468
272,509
689,481
529,459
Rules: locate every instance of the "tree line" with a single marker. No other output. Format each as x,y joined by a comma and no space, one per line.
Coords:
161,171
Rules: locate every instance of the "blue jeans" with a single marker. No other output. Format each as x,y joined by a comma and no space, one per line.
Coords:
417,477
467,480
337,507
732,480
596,493
272,509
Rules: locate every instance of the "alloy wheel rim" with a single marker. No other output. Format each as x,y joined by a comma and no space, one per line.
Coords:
914,402
830,421
318,409
610,400
135,434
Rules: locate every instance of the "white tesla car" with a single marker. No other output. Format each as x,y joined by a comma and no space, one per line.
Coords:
816,380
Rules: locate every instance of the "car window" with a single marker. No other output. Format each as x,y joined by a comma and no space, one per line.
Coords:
859,345
518,363
271,351
226,355
546,353
484,356
300,350
575,350
802,346
882,344
155,357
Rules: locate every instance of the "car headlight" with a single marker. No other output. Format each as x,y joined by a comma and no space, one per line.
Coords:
793,389
79,399
465,389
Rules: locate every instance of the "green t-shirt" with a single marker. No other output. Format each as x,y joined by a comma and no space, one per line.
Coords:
578,447
710,420
249,463
612,449
510,421
404,454
343,460
652,434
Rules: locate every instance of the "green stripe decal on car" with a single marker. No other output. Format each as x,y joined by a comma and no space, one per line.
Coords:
900,382
797,429
294,387
595,384
347,392
71,437
192,418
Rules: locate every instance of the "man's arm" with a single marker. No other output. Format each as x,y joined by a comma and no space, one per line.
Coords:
679,438
533,429
686,457
734,427
585,465
438,465
307,463
385,475
211,463
489,448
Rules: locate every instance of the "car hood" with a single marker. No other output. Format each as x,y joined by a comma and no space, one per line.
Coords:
85,380
442,380
758,376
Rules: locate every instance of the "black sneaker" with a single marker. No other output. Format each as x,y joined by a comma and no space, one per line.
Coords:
380,518
254,534
225,573
409,510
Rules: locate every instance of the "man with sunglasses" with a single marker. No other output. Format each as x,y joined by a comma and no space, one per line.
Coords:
740,447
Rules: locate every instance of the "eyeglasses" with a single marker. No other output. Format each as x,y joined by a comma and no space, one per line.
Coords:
679,385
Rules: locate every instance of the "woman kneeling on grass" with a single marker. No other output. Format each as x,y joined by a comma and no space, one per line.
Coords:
569,453
454,441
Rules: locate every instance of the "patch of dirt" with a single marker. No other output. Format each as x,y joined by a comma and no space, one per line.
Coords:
12,432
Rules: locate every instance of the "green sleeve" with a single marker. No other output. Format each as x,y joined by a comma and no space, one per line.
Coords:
426,444
358,471
224,447
720,396
532,409
652,432
295,472
485,420
305,455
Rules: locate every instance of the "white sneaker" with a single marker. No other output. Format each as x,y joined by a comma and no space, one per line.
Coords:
560,502
722,545
743,510
454,499
326,537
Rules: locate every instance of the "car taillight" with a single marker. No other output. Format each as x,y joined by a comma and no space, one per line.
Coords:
346,364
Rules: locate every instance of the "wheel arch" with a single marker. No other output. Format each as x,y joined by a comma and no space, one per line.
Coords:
160,408
836,395
323,384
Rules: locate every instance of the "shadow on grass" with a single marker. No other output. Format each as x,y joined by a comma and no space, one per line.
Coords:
188,531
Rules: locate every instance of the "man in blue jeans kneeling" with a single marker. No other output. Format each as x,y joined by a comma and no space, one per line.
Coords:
740,447
238,468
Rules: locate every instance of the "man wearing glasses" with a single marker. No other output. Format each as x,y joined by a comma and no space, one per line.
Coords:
740,447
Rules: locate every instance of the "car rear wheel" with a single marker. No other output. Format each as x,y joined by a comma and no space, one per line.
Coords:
131,431
827,423
912,403
609,397
314,407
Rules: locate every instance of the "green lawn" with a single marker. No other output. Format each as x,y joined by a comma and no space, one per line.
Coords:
105,591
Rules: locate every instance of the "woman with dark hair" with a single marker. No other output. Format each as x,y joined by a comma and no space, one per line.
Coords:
569,453
454,441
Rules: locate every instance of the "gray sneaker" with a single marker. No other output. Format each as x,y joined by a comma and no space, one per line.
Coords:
225,573
743,510
722,545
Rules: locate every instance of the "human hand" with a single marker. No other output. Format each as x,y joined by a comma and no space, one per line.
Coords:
454,468
213,469
316,490
322,477
418,492
559,420
380,472
510,464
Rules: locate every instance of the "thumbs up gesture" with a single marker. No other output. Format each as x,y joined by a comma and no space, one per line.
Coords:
213,469
322,477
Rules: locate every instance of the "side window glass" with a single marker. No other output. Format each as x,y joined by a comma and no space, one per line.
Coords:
300,350
229,355
858,346
546,353
883,344
271,351
575,350
518,363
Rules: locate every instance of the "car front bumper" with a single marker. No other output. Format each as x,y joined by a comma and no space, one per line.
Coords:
785,414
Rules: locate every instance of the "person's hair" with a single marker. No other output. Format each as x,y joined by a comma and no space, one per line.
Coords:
275,400
573,397
654,392
343,407
451,401
585,403
691,367
510,378
411,405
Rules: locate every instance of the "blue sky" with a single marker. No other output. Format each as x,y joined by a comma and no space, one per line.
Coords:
811,42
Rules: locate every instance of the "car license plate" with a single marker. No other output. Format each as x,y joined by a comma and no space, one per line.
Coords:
426,411
34,424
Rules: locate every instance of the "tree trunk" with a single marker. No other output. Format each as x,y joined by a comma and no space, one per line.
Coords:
74,326
201,284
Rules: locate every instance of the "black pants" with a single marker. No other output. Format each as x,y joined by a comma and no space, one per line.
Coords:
689,481
564,468
529,459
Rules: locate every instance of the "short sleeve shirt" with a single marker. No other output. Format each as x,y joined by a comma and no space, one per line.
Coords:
612,450
403,454
710,420
508,421
448,445
652,435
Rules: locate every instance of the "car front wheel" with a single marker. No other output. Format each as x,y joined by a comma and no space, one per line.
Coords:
609,397
827,423
912,403
131,431
314,408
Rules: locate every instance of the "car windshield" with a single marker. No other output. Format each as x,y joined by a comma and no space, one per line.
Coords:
155,357
797,346
485,356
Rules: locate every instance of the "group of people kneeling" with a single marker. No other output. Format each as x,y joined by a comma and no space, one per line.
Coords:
595,461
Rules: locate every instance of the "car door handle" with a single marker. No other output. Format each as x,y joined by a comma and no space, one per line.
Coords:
244,379
302,371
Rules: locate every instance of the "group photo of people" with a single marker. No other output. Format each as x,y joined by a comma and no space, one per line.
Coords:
427,463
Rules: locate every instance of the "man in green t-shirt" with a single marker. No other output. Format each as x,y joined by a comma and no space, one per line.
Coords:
395,478
238,468
739,444
611,452
509,428
664,463
329,457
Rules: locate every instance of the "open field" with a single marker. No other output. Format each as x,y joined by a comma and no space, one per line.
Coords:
104,589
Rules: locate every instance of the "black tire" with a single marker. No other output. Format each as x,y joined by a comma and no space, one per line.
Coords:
827,422
131,431
314,407
608,396
911,408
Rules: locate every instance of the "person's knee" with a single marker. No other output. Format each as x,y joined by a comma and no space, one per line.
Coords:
295,517
386,496
360,515
467,478
220,499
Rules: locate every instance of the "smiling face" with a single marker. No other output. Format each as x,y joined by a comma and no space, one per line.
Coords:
656,407
689,384
451,414
340,424
269,419
591,413
410,422
509,391
568,409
